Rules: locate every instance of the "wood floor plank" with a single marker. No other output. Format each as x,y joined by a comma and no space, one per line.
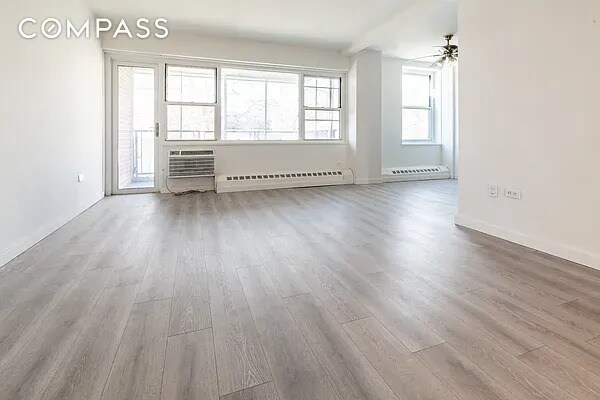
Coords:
191,303
190,371
569,375
296,371
114,250
280,267
213,234
138,365
159,277
584,313
265,391
510,336
24,310
133,264
240,247
357,259
34,366
84,371
241,362
476,345
335,296
557,337
351,374
402,371
55,270
461,375
409,330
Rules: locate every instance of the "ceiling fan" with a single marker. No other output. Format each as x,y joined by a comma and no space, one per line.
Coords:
447,53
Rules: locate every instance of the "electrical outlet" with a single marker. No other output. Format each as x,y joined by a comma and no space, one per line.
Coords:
513,193
493,190
80,178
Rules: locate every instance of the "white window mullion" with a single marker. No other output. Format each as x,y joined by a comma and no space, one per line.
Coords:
266,106
301,109
219,117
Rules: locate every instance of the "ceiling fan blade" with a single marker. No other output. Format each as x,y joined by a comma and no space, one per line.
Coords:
419,58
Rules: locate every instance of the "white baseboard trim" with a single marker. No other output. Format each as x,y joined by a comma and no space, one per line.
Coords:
367,181
566,252
17,249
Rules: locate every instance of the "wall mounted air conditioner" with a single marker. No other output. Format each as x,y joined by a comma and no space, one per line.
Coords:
403,174
191,169
279,180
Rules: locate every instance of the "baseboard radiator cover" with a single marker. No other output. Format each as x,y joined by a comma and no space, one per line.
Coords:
226,183
403,174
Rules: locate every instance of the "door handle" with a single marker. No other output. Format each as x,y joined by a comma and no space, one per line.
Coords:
156,129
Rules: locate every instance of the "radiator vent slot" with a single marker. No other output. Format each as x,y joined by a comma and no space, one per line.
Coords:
191,163
415,173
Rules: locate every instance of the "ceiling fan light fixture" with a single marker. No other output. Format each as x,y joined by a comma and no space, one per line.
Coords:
448,54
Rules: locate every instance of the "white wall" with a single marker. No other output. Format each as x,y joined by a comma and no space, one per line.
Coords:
236,50
394,153
51,113
529,120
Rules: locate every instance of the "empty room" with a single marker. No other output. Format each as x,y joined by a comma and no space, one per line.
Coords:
300,200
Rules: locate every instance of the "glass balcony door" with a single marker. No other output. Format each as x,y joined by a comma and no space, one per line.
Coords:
134,128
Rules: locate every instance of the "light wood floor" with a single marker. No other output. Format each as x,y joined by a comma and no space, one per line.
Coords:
351,292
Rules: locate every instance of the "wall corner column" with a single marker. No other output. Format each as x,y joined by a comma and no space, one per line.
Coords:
364,116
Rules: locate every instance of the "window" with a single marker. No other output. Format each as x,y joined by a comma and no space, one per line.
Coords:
260,105
231,103
191,97
417,106
322,107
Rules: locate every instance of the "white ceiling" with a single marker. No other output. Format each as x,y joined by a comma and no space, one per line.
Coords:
397,27
413,32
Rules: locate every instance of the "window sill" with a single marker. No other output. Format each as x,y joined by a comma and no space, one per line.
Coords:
420,144
180,143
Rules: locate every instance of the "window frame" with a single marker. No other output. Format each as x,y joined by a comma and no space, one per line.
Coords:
432,108
304,109
218,66
168,103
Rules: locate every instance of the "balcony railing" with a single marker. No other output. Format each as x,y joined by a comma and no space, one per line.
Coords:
143,154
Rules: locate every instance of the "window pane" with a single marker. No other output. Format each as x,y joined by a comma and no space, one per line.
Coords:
260,105
190,122
322,125
310,81
415,90
335,98
322,92
415,124
191,84
282,111
323,98
310,97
